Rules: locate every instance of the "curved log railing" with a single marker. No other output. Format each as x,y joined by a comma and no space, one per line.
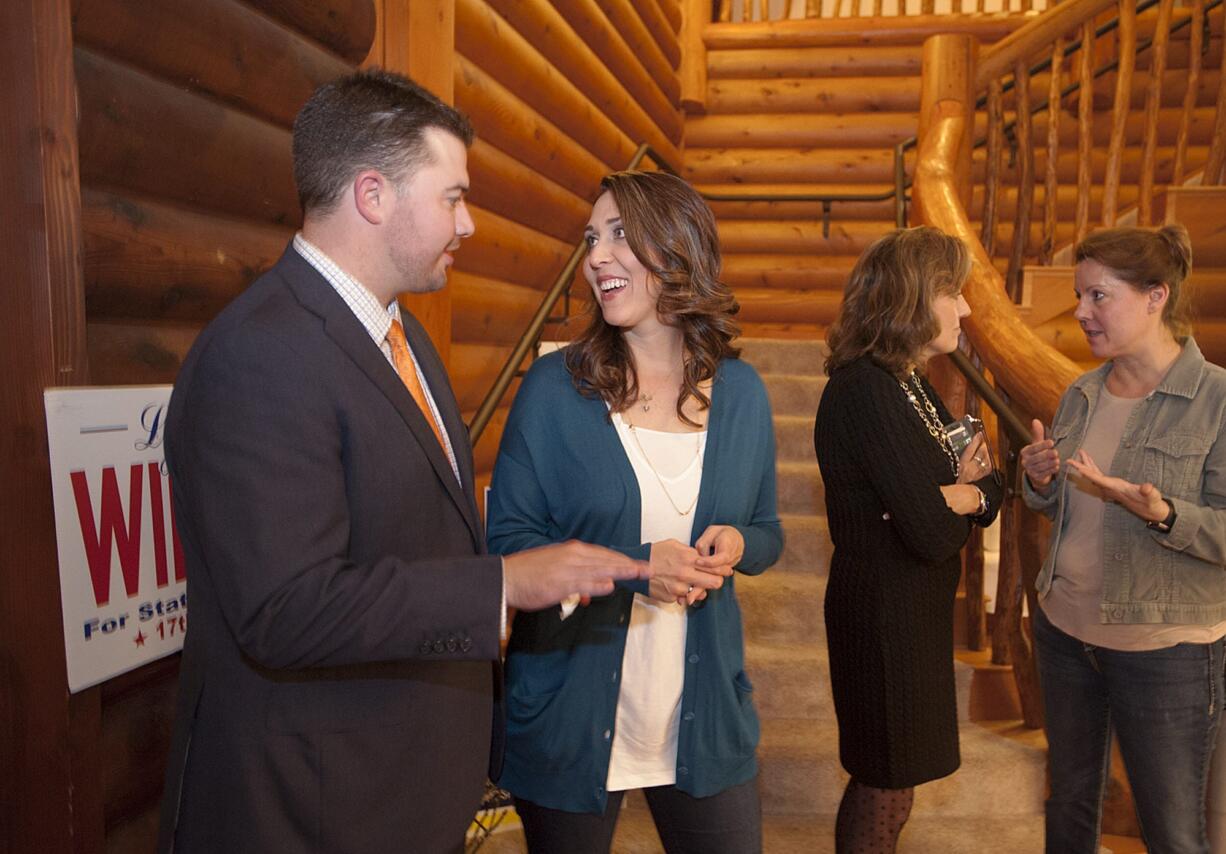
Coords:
1031,373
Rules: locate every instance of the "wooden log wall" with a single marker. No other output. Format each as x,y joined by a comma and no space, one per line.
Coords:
561,92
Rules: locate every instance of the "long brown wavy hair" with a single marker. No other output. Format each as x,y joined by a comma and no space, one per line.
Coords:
672,233
887,304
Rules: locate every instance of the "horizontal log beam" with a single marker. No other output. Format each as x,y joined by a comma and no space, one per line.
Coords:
627,22
1066,164
491,311
127,352
148,260
264,68
797,130
794,331
780,165
505,186
563,65
661,29
758,63
777,305
661,98
515,128
347,27
503,249
473,369
135,132
813,32
795,237
794,272
807,95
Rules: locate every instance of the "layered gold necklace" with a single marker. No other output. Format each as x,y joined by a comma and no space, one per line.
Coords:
914,389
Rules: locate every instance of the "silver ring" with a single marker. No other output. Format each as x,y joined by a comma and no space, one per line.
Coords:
982,464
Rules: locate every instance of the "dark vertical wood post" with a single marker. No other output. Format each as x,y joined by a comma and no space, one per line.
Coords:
42,343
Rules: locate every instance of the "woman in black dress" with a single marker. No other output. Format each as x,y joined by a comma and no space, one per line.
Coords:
900,504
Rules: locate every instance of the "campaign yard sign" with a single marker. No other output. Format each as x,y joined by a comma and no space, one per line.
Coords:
122,575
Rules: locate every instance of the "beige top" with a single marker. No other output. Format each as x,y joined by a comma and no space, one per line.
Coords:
1072,605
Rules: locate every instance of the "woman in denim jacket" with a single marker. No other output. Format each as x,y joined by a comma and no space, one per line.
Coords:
1133,590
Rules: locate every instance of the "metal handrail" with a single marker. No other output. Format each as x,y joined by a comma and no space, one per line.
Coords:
561,285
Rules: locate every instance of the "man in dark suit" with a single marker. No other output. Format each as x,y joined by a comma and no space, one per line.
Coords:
337,678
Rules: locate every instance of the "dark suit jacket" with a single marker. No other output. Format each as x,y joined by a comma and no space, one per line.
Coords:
336,683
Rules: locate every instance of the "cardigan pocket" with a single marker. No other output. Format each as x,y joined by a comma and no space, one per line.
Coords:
735,727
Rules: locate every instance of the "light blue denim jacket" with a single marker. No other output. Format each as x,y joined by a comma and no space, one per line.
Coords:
1175,439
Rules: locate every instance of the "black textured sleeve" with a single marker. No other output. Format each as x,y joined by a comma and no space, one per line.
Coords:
896,453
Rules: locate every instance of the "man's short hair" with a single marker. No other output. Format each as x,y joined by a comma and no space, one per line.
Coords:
373,119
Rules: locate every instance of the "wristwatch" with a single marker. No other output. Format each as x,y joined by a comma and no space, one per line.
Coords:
1164,527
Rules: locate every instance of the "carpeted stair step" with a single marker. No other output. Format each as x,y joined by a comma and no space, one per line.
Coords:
806,544
779,356
795,395
801,775
799,488
791,680
794,438
783,607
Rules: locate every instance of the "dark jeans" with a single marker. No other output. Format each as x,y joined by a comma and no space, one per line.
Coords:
729,822
1164,705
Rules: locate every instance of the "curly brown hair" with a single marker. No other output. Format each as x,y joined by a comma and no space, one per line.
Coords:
672,233
1146,258
887,304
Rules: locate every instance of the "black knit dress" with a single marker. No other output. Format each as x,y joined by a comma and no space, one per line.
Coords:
893,578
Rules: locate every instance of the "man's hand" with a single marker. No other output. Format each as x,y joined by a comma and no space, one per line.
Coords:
676,575
1143,500
544,576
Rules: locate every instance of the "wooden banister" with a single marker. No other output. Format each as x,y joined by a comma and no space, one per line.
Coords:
1034,37
1033,374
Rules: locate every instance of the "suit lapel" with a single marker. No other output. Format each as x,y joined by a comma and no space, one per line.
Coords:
340,324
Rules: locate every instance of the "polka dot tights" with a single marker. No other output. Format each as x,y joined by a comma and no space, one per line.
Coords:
870,819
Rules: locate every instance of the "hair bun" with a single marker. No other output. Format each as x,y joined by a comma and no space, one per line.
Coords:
1179,245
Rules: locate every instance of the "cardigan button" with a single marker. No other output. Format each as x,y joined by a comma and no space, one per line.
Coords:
607,733
688,716
683,771
694,658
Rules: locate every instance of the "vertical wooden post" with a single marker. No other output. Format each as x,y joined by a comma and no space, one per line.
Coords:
44,805
1085,129
1023,130
696,14
1153,103
1127,52
949,75
418,39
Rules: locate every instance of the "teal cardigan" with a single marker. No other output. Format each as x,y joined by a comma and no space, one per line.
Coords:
561,474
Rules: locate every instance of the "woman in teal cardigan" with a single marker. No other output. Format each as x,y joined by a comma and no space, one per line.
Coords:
649,436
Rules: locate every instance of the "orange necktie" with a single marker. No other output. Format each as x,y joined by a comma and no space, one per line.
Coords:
408,375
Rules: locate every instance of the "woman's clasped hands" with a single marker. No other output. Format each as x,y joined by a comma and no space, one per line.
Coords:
962,496
683,574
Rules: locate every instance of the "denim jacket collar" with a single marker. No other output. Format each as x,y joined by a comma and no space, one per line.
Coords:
1183,379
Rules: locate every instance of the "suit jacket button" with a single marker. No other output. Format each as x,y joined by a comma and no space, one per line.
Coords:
439,646
425,647
466,644
452,643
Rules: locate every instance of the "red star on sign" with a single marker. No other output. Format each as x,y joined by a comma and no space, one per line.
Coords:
140,638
